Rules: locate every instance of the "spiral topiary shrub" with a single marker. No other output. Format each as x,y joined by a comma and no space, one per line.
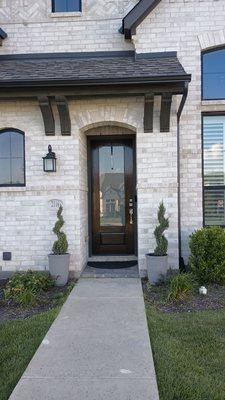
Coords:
161,241
60,246
207,259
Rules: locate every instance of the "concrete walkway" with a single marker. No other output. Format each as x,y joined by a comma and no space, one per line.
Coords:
97,349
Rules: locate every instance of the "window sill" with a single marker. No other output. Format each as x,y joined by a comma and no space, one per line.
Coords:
213,102
66,14
12,189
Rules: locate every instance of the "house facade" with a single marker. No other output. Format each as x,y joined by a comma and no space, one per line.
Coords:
131,97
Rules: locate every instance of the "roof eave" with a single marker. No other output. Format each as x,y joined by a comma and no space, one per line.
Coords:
136,16
3,34
73,83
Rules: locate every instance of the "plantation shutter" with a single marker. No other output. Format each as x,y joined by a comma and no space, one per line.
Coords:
214,163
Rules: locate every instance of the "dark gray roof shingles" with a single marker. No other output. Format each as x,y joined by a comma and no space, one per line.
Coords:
88,69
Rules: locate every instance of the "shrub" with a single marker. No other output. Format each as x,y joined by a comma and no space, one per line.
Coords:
161,241
23,288
60,246
207,259
180,286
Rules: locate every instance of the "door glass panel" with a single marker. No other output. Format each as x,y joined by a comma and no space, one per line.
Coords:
112,193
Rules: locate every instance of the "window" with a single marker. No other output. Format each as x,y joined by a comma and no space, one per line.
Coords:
12,163
66,5
213,75
214,170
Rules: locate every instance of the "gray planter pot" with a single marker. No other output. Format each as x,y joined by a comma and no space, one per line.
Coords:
156,267
59,268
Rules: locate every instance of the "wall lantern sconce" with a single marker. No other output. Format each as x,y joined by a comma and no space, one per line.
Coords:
49,161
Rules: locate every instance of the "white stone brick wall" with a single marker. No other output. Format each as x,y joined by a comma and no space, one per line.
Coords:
156,182
32,28
188,27
26,217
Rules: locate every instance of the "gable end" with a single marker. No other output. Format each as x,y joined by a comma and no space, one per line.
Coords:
136,16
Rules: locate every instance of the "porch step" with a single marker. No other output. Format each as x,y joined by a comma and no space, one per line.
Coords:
131,257
103,272
112,264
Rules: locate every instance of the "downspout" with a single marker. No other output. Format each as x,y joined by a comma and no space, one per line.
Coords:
180,109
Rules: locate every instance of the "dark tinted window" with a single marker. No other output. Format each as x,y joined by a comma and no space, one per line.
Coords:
66,5
214,75
12,165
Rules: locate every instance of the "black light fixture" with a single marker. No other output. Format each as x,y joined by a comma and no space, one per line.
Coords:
49,161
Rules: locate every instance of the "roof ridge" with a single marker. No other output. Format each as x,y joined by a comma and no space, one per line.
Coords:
75,55
87,55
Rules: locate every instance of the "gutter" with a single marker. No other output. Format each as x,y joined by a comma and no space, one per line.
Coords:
180,110
118,81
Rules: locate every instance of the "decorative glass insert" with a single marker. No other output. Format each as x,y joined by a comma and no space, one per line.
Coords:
214,170
213,75
66,5
112,192
12,163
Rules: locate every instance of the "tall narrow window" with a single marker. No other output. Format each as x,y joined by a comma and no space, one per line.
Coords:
213,75
66,5
214,170
12,163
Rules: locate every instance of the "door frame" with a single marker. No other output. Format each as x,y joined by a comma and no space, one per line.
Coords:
104,138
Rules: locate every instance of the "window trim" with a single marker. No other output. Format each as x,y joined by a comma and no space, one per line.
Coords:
77,12
208,114
212,50
24,157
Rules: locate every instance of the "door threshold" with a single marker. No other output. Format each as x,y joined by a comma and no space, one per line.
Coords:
112,258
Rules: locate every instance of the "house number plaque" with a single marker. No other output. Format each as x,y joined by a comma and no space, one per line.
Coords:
55,203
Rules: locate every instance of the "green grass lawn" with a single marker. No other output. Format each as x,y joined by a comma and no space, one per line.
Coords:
189,354
18,342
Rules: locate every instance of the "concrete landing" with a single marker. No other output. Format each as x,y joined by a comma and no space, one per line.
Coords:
97,349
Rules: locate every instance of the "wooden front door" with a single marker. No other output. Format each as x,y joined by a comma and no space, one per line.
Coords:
112,196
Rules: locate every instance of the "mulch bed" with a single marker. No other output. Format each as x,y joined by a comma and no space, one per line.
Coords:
46,301
157,296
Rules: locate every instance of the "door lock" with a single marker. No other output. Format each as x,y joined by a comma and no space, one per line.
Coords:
131,210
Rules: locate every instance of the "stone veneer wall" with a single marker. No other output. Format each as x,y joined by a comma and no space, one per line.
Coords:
26,217
188,27
32,28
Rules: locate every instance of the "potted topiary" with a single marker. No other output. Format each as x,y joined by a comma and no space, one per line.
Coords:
59,259
157,263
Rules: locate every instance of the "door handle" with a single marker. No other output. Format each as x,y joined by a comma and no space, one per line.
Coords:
131,212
